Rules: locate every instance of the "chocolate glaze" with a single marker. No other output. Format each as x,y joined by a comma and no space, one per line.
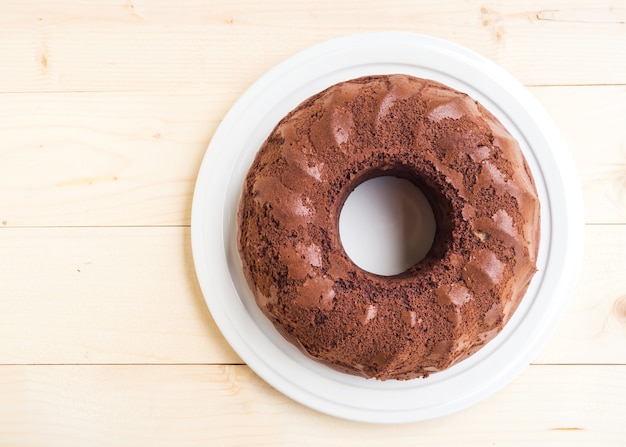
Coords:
442,309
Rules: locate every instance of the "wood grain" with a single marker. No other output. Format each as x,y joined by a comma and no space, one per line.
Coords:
102,159
596,136
132,45
130,295
103,295
594,327
163,405
132,158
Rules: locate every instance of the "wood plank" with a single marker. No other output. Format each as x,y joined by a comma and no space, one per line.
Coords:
592,123
130,295
124,45
132,158
102,159
594,328
108,295
162,405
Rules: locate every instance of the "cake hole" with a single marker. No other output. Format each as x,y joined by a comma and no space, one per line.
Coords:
386,225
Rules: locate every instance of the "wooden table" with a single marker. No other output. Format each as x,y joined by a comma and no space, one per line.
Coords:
106,109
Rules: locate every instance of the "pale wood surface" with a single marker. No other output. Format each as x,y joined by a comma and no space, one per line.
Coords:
107,282
228,405
106,109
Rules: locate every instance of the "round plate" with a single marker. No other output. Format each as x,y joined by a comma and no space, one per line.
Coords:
214,227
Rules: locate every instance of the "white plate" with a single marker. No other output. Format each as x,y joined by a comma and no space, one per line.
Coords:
214,220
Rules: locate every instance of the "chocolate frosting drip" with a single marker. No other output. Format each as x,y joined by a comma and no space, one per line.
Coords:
442,309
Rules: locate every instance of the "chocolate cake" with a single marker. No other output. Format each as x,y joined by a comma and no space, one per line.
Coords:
442,309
